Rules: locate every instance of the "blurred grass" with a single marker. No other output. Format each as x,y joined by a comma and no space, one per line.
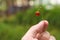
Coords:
14,27
8,32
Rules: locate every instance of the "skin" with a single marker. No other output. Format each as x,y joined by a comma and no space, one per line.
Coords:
38,32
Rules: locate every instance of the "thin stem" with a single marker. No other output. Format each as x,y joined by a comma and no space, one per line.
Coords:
42,16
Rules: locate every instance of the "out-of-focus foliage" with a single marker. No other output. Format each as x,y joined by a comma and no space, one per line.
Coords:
14,27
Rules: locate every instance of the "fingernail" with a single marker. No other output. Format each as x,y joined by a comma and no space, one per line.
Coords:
45,23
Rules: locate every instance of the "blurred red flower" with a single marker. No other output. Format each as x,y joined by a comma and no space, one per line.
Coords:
37,13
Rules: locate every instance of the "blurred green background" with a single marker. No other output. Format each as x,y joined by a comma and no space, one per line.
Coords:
14,26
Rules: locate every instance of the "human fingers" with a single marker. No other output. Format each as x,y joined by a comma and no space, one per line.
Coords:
45,36
52,38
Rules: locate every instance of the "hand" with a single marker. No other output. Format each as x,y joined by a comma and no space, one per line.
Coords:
38,32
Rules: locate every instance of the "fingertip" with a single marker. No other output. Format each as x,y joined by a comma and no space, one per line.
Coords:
52,38
45,36
44,21
44,24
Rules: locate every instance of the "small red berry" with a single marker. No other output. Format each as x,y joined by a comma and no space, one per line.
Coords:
37,13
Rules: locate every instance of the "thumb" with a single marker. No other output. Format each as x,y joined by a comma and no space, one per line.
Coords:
38,28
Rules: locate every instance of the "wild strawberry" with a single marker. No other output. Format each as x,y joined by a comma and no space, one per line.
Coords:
37,13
